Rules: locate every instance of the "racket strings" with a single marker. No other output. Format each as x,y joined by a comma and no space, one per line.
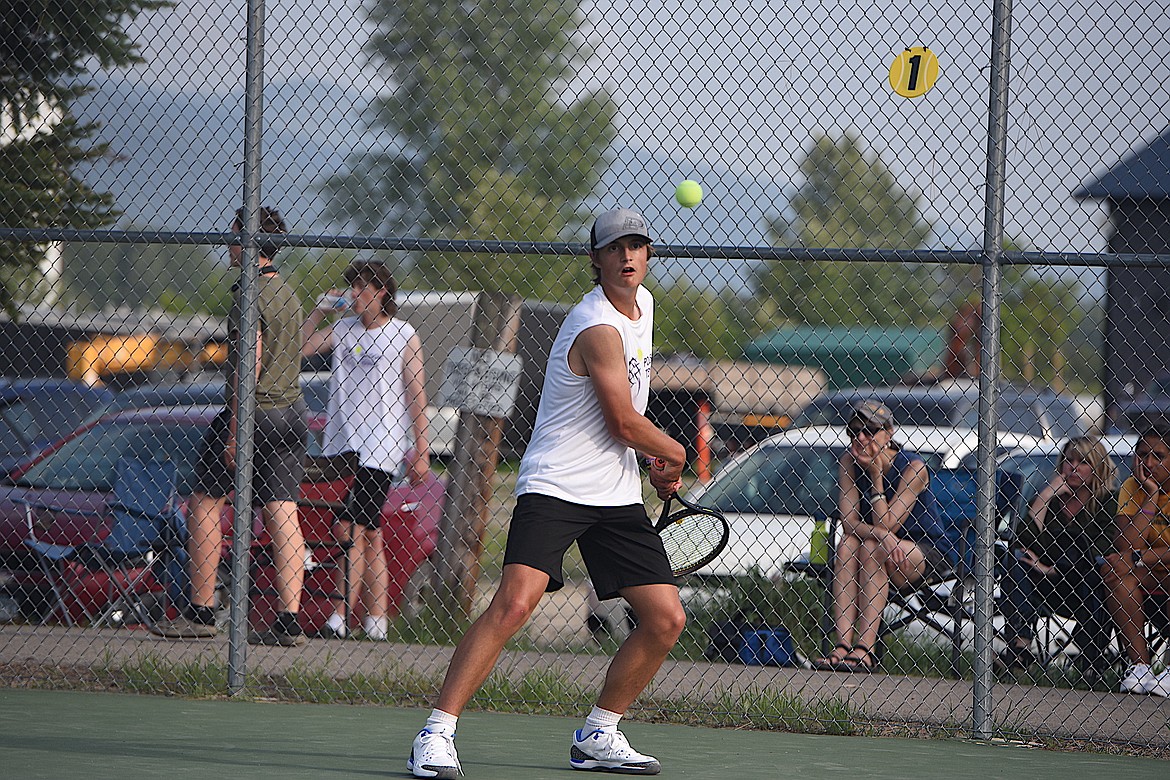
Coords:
692,539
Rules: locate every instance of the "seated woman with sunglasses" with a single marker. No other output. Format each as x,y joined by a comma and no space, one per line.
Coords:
891,534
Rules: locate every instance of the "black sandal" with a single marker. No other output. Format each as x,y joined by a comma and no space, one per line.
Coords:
864,663
827,664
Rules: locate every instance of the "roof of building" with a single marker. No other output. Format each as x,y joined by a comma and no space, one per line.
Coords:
1143,174
851,356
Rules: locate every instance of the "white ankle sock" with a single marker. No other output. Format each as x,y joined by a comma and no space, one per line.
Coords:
602,719
440,721
337,623
375,627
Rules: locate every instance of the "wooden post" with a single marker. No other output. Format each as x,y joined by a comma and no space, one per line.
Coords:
477,452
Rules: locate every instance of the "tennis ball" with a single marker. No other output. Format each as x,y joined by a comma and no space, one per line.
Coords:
688,194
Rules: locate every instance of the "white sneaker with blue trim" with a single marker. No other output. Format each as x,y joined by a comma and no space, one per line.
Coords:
1161,686
608,750
433,755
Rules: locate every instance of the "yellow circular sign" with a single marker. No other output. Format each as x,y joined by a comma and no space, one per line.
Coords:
913,72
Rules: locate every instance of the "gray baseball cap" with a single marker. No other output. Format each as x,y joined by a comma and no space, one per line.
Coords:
612,225
873,412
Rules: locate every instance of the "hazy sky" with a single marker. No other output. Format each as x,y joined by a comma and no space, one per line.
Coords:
729,91
749,85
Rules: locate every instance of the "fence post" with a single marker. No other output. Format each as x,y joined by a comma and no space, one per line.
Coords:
246,376
993,239
496,326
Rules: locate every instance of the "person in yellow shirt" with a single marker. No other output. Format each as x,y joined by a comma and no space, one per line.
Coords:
1141,563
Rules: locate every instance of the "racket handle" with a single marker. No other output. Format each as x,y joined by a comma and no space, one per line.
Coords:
666,507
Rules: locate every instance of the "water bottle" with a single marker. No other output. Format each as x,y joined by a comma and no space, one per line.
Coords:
335,301
818,549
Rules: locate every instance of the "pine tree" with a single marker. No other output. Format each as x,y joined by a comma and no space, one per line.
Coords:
45,47
482,140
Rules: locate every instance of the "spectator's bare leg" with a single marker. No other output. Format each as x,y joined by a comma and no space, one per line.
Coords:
204,539
288,552
847,569
1123,589
353,567
377,583
875,586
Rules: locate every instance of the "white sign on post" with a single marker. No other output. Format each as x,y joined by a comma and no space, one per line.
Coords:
482,381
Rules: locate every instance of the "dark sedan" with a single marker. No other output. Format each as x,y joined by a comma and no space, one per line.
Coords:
1022,409
34,413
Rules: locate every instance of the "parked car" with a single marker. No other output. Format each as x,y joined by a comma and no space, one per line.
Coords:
34,413
1022,409
207,390
773,492
210,391
78,474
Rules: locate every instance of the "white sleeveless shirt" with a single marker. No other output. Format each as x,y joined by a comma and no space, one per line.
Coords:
367,397
571,455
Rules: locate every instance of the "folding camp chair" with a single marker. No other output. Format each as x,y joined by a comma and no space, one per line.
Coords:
1157,609
937,601
142,539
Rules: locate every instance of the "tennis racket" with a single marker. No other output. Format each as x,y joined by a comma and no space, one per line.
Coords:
693,536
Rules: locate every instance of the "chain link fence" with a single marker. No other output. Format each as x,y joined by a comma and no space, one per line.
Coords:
956,210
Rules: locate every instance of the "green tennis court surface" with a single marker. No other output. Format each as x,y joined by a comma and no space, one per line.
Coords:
54,734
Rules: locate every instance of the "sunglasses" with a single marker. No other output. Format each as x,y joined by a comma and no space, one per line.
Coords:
857,430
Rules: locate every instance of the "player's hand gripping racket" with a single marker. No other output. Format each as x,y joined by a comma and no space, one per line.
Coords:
693,536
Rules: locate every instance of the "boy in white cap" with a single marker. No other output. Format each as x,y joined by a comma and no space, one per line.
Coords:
579,481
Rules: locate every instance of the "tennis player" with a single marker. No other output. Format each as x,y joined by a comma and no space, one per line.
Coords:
579,481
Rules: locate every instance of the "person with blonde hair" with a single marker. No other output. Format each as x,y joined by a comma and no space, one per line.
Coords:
1056,557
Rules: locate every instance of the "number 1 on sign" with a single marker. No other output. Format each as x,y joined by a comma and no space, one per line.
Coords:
914,72
915,64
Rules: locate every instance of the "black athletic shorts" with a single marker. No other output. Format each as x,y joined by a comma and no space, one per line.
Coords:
367,494
280,445
618,543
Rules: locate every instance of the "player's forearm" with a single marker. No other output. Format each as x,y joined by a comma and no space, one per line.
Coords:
637,432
